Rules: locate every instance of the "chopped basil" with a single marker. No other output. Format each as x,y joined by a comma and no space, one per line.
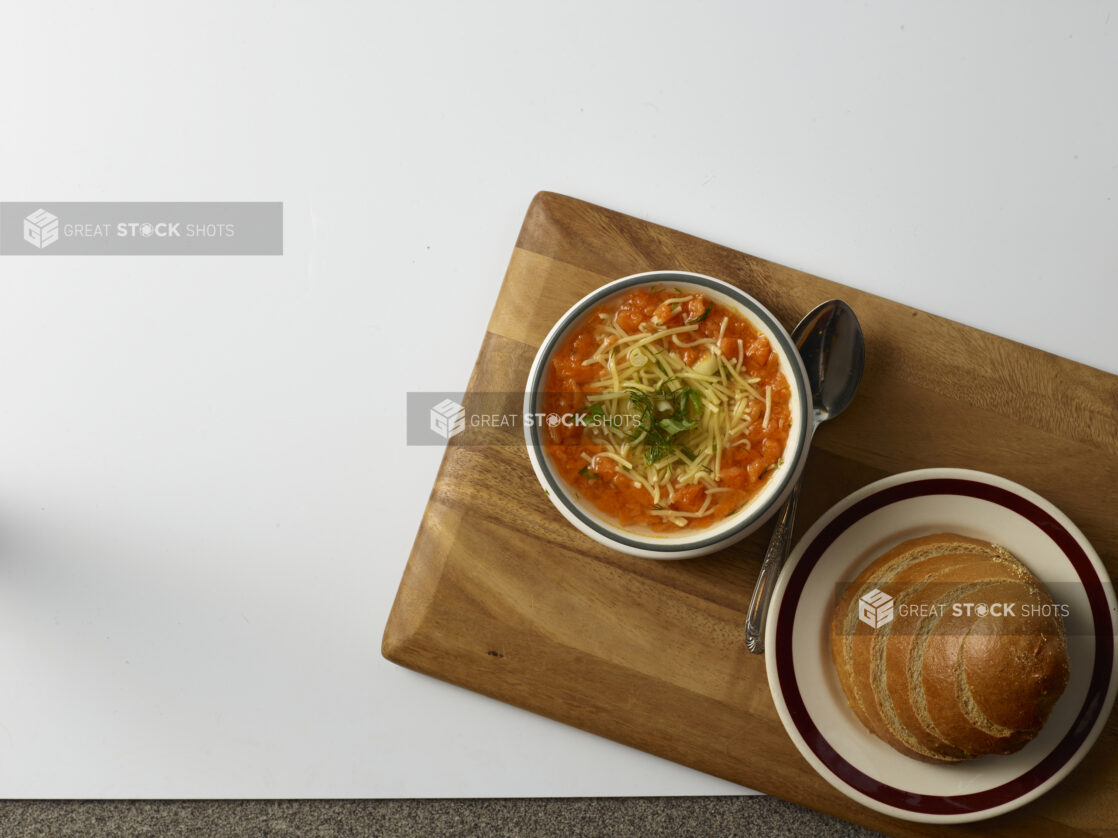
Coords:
659,425
672,426
702,316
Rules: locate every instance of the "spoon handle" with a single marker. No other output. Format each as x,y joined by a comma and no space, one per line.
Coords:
775,555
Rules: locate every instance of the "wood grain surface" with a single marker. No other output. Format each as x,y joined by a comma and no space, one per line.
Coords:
502,596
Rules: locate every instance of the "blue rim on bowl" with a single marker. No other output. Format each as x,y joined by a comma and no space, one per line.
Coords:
723,533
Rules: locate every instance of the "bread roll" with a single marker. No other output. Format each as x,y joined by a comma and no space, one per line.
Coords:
964,656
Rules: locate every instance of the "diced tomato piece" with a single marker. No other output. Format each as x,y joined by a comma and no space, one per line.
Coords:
758,351
696,306
689,498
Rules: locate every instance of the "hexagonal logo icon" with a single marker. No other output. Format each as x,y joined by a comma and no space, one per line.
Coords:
40,228
875,608
448,418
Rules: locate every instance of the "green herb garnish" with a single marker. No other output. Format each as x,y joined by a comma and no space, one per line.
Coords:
702,316
689,402
659,425
588,474
672,426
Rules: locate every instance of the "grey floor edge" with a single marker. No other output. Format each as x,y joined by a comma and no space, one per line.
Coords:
546,817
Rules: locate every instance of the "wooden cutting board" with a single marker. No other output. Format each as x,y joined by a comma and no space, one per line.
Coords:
502,596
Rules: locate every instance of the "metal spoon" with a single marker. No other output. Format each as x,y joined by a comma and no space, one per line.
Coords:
833,350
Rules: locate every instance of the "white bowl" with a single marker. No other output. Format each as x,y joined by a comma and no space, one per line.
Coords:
687,544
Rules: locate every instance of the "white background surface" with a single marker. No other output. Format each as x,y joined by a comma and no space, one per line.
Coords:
205,499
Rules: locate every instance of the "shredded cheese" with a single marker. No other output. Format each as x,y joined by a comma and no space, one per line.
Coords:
642,385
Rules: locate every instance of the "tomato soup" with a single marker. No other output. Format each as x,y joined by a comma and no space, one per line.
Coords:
665,410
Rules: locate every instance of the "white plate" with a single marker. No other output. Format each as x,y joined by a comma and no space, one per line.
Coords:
805,687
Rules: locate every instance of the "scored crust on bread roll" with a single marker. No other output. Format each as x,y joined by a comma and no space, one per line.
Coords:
995,681
940,677
846,626
902,644
893,647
